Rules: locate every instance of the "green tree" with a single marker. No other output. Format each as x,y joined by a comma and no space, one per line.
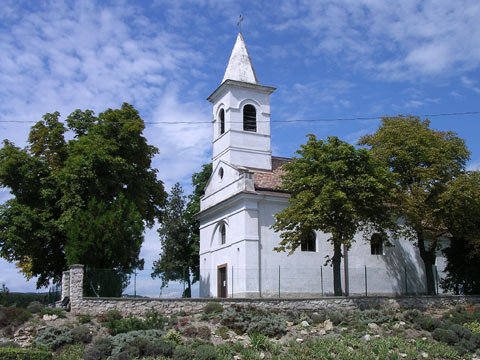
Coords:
180,234
423,161
179,252
337,189
86,200
460,209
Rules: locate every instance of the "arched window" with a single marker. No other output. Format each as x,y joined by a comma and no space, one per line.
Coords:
249,118
223,234
308,241
222,121
376,244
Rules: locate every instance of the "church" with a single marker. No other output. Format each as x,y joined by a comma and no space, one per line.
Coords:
237,256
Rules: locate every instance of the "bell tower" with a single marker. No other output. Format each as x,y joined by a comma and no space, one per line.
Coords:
241,114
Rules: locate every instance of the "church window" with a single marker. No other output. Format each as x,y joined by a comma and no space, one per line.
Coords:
223,234
308,242
376,244
249,118
220,173
222,121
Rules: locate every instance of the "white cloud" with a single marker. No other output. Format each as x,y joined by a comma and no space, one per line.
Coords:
474,166
396,40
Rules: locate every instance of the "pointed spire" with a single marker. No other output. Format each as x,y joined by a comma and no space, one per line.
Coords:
240,66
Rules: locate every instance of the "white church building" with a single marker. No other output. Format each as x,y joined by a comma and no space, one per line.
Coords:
237,257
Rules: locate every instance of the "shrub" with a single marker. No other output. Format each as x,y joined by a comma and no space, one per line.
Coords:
154,320
12,316
190,331
461,332
102,347
205,352
259,342
122,342
183,353
71,352
113,314
81,334
35,307
160,347
84,319
123,325
213,307
253,320
222,331
23,354
174,337
52,337
204,332
474,327
53,311
183,321
444,335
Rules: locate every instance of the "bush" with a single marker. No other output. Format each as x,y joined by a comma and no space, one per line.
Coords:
53,337
23,354
205,352
53,311
222,331
183,353
174,337
71,352
213,307
474,327
35,307
203,332
444,335
84,319
259,342
190,331
9,344
135,339
251,320
113,314
102,347
81,334
123,325
12,316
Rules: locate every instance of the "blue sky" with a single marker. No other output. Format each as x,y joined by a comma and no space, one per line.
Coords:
327,59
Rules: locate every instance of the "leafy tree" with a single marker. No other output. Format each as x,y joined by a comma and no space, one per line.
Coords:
337,189
460,209
423,161
180,234
86,200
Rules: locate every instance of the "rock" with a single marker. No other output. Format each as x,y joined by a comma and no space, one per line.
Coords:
304,332
262,355
47,317
322,332
402,355
374,327
350,349
237,357
366,337
305,323
424,355
343,329
328,325
299,340
289,323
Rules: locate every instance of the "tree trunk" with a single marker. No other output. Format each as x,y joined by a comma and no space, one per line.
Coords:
337,275
188,290
428,257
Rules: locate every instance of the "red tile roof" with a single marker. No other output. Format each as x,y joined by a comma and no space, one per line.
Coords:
269,179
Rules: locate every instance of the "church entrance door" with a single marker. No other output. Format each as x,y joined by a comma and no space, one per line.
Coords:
222,280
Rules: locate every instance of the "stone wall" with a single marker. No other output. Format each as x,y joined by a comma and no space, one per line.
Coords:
139,306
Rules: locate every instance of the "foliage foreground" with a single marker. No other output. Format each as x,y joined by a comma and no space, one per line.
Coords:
246,332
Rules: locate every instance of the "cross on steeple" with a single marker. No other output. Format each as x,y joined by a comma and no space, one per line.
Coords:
239,23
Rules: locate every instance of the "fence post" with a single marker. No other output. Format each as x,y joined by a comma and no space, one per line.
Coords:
366,286
321,277
436,277
406,282
278,280
232,281
183,269
76,287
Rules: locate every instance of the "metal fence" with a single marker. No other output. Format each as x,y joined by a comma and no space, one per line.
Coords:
275,281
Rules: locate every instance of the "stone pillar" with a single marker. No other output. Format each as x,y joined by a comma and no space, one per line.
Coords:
76,287
65,284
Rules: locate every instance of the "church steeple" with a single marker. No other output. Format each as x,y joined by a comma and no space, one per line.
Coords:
241,114
240,66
